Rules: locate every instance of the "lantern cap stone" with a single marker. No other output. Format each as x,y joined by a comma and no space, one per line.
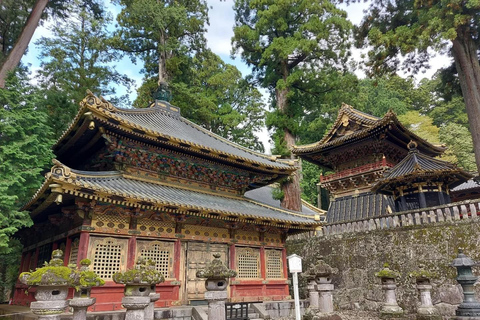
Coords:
143,273
53,273
216,270
319,269
462,260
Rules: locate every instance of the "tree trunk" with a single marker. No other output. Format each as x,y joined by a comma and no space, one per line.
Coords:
21,45
468,68
162,61
291,188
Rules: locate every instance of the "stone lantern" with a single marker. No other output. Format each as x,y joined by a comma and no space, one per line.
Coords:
426,310
84,282
150,309
138,286
320,287
470,307
52,282
217,275
390,306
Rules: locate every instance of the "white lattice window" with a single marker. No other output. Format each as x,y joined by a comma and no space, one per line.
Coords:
74,251
161,252
274,263
107,255
248,262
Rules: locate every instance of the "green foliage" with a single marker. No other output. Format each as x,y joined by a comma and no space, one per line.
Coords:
13,15
379,95
9,267
24,153
277,194
410,28
459,142
49,275
213,94
421,125
288,43
76,58
387,273
157,31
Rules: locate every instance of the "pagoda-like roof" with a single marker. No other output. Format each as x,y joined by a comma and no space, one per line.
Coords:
162,125
418,166
121,189
353,125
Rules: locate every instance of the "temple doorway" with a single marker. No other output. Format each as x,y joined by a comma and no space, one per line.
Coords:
198,255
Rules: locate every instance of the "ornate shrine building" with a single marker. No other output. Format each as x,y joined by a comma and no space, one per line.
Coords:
360,149
420,181
147,182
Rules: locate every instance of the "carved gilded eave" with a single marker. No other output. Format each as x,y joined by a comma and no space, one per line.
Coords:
61,181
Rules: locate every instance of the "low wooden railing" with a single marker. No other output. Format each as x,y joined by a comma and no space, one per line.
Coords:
382,164
465,210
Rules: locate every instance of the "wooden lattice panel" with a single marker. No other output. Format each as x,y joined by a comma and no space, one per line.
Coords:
273,239
274,263
205,233
248,263
111,223
108,255
247,237
74,251
162,252
149,227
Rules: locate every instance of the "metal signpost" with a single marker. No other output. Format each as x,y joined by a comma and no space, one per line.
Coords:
295,266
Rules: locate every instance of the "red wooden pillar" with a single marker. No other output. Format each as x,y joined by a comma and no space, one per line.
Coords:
263,271
68,249
177,252
132,252
54,246
284,262
83,246
285,269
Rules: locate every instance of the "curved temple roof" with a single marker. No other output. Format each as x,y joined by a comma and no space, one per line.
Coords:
366,125
162,123
115,187
416,164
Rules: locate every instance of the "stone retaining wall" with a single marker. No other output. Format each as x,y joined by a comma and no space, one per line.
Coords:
358,255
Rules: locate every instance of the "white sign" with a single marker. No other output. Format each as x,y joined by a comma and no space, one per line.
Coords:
294,263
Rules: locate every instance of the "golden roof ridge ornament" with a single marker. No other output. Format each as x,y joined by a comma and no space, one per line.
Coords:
61,171
101,103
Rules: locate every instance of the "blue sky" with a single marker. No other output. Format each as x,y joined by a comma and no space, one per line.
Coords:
220,31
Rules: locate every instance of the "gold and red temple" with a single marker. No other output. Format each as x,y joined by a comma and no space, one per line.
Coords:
147,182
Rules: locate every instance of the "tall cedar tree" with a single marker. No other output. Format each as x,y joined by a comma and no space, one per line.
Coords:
156,31
213,94
24,153
282,40
76,57
411,28
20,19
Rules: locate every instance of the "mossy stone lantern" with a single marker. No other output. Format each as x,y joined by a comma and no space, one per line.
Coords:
217,274
470,307
390,308
52,282
138,286
86,280
138,281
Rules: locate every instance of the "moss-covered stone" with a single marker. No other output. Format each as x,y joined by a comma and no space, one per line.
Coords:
143,273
